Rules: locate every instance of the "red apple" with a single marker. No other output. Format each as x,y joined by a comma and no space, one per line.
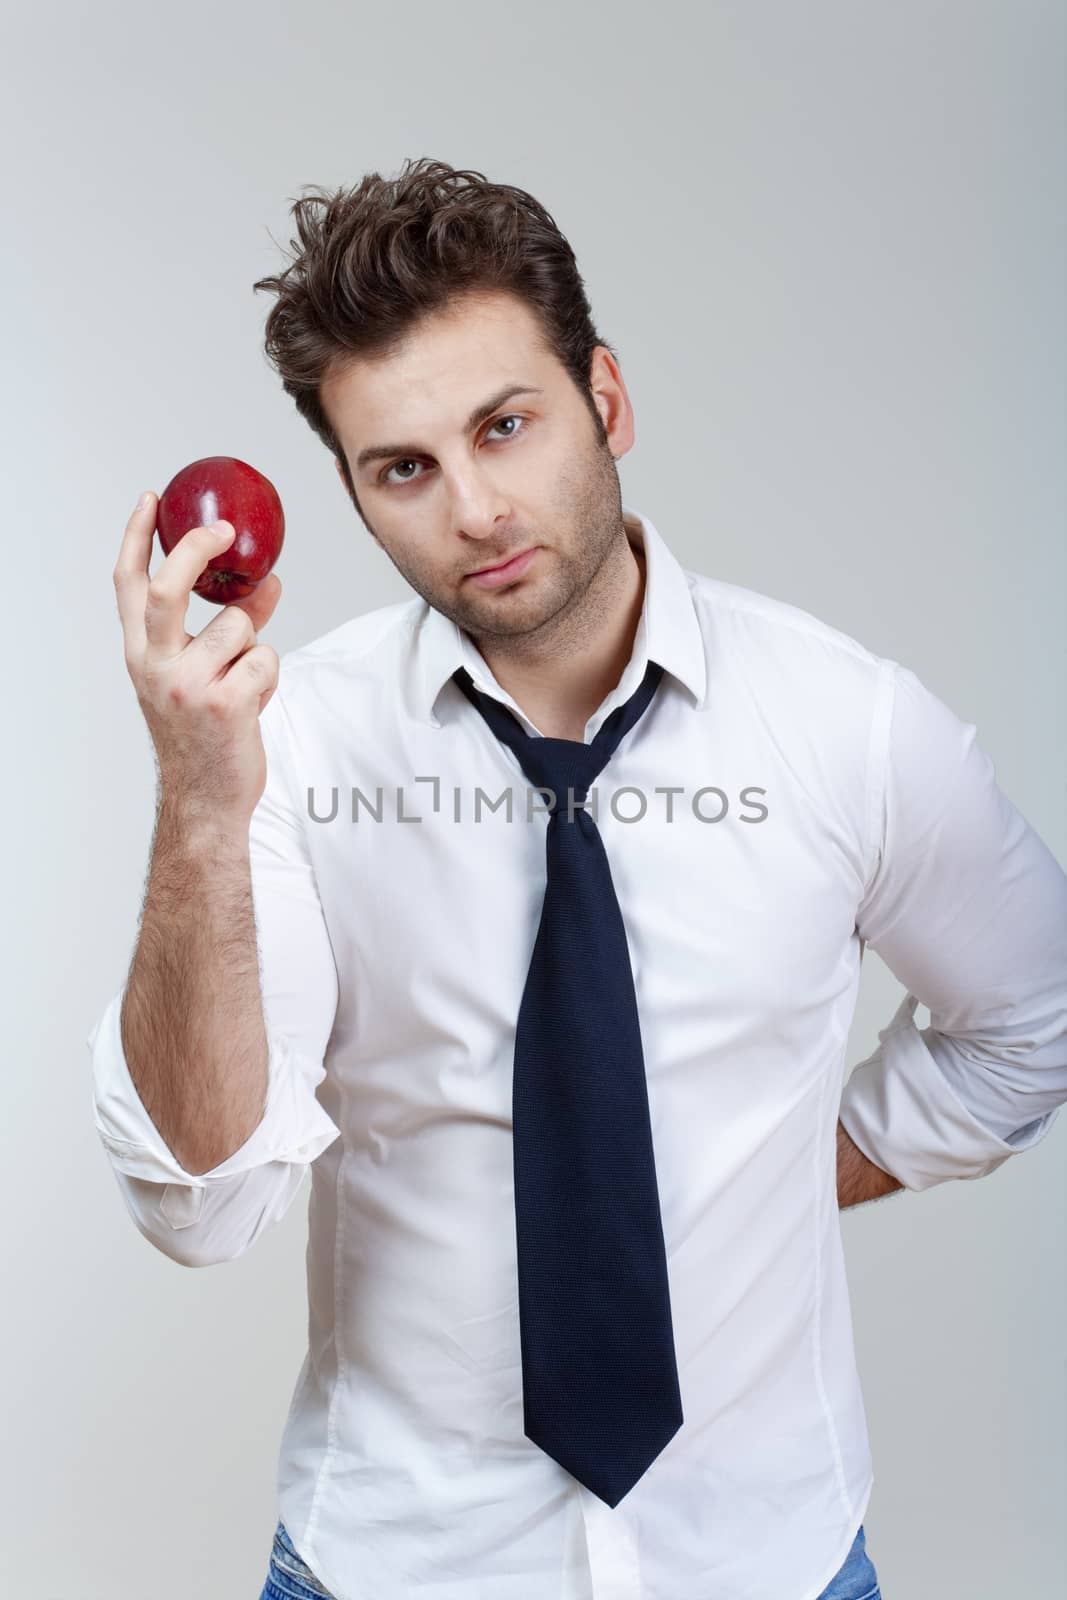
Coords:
223,489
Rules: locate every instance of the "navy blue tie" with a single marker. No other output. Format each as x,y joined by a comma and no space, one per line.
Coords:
599,1377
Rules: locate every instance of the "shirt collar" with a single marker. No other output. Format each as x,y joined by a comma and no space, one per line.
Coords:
668,632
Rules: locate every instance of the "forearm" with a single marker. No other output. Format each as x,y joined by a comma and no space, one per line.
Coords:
192,1018
858,1179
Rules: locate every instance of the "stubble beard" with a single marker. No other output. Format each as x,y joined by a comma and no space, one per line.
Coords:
555,611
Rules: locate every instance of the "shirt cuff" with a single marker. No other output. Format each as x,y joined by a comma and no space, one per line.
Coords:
294,1127
900,1110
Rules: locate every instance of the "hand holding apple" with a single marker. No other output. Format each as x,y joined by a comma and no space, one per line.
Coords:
222,488
201,696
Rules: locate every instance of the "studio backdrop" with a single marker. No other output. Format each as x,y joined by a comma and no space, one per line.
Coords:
827,243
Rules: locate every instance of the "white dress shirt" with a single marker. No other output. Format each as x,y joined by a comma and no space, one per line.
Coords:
821,799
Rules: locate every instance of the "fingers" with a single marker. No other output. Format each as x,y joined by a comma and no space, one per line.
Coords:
167,592
231,632
256,669
261,602
130,576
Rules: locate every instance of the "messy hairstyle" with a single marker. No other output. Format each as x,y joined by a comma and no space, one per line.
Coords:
373,259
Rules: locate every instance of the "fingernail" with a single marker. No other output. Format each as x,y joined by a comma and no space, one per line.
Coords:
143,501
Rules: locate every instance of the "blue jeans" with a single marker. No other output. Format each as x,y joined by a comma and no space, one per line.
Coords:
856,1579
290,1579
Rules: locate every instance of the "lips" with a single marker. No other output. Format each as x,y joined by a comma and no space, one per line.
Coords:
506,574
496,565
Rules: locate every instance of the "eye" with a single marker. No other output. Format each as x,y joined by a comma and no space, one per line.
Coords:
406,461
510,417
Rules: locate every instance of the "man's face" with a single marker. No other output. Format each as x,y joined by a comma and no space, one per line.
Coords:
454,498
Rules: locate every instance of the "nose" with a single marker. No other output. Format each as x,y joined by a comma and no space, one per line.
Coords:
478,506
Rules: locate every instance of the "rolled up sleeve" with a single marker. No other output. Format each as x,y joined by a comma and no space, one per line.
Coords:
967,906
216,1215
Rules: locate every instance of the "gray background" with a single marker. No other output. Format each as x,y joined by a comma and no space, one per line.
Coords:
828,242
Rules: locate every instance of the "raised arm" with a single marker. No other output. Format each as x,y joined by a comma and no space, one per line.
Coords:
205,1063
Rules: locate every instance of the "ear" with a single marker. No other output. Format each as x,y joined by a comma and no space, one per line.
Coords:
340,469
612,401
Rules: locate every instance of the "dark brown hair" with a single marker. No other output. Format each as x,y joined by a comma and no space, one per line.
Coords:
372,260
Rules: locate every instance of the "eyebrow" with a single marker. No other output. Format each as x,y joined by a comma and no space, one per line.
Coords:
380,452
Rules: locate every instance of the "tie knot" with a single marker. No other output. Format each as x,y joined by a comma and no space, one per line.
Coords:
562,765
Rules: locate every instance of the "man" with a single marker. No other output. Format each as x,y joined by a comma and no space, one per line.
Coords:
566,1071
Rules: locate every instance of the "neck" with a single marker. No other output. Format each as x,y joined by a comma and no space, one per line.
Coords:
561,687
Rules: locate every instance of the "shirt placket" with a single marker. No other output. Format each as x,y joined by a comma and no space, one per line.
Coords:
613,1558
